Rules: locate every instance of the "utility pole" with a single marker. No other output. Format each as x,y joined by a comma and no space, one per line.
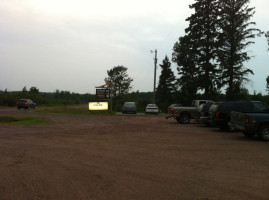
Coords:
155,67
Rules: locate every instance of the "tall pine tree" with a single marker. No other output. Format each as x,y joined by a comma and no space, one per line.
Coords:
267,79
184,56
267,36
166,87
202,33
235,35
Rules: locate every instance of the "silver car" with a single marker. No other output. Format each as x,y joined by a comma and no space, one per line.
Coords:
129,107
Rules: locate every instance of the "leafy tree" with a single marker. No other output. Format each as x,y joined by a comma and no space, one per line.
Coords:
166,87
235,34
202,33
120,79
34,90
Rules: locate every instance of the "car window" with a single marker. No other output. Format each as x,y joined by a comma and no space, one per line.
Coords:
129,103
260,106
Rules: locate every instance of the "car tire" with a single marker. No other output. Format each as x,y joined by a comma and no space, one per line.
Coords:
264,133
248,134
185,119
178,120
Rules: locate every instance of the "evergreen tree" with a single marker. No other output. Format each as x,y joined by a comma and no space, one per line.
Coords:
24,89
267,79
184,56
267,36
267,84
120,79
166,87
202,33
236,32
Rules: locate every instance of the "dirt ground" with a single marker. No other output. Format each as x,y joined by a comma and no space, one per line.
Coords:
128,157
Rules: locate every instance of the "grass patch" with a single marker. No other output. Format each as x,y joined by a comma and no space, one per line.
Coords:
22,120
71,110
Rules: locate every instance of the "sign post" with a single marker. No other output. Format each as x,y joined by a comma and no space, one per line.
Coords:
105,92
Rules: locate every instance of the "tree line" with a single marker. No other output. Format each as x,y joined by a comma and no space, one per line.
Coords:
210,57
210,60
10,98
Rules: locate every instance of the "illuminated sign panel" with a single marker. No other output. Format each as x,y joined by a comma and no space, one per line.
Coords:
103,93
98,105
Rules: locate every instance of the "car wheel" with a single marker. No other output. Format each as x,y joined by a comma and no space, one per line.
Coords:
224,128
185,119
248,134
264,133
178,120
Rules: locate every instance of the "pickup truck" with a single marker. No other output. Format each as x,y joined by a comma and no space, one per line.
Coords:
183,114
251,123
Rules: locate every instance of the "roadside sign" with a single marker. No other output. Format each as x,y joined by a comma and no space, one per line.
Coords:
98,106
103,93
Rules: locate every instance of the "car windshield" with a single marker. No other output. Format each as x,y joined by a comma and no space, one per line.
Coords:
129,104
151,105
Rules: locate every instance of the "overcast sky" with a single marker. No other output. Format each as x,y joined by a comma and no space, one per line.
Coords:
70,44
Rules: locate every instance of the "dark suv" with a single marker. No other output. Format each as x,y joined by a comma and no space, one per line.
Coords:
129,107
26,104
219,112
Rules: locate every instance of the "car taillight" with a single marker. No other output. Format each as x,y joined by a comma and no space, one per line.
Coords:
172,110
26,103
134,107
17,103
217,115
202,114
123,106
246,119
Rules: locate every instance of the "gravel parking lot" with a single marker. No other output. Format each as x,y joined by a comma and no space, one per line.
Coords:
128,157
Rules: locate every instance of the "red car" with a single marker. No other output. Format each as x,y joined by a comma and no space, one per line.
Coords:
26,104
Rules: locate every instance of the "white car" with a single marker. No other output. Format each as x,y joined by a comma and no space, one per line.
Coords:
152,108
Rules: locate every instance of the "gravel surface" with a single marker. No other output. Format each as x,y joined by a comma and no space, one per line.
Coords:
128,157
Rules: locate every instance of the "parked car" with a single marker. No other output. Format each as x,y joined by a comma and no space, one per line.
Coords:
252,123
197,103
219,113
175,105
184,114
25,103
152,108
129,107
204,113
